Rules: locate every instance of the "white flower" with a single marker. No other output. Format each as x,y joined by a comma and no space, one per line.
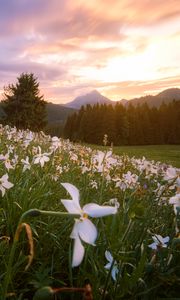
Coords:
175,201
93,184
159,241
108,266
26,164
41,158
29,136
55,143
130,178
5,184
103,158
83,228
172,174
114,202
6,160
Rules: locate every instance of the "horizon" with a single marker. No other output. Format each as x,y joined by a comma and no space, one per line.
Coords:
148,95
122,49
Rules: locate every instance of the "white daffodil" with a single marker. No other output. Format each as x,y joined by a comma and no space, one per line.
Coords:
159,242
103,158
173,174
28,138
5,184
55,143
108,266
83,228
175,201
26,164
6,160
41,158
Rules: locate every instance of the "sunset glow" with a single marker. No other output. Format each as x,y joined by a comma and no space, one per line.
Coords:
122,48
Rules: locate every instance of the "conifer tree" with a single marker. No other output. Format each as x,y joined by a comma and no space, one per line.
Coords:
23,106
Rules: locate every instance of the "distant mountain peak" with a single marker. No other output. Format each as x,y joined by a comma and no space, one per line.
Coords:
94,92
91,98
95,97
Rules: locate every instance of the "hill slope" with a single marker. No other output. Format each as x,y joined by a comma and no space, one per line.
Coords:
165,96
58,113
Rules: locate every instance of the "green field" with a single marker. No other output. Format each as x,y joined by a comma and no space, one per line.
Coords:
169,154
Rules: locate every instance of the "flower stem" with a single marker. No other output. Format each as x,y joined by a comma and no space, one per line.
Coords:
28,213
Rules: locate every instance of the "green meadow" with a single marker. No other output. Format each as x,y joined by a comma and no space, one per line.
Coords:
169,154
77,223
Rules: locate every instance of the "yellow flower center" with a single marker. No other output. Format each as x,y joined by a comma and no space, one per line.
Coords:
85,215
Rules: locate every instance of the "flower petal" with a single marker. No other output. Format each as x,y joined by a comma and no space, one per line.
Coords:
153,246
72,190
108,256
166,239
159,238
87,231
4,177
74,233
2,190
78,252
94,210
7,185
114,272
108,266
71,206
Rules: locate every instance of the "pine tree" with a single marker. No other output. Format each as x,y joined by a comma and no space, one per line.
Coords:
23,106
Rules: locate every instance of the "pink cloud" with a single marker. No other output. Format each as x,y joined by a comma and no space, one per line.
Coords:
80,33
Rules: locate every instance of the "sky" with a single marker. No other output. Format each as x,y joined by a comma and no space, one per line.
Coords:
122,48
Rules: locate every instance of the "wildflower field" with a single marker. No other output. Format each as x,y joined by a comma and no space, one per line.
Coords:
73,217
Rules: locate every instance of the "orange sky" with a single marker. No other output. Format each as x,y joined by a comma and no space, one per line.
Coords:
122,48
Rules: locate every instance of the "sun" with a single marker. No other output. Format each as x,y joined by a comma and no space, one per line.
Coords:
138,66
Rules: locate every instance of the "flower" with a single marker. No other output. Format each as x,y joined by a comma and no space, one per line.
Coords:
55,143
108,266
41,158
159,241
26,164
102,159
175,201
83,228
7,161
172,174
5,184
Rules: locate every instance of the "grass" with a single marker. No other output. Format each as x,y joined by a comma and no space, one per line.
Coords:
169,154
141,190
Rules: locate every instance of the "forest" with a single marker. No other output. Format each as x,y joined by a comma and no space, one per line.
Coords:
125,125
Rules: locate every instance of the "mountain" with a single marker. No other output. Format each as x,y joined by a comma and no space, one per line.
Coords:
94,97
90,98
165,96
170,93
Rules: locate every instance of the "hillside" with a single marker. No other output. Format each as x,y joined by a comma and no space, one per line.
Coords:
165,96
58,113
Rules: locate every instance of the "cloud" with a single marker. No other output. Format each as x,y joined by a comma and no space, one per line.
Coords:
70,44
131,89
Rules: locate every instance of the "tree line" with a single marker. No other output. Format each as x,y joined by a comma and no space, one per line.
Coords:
131,125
